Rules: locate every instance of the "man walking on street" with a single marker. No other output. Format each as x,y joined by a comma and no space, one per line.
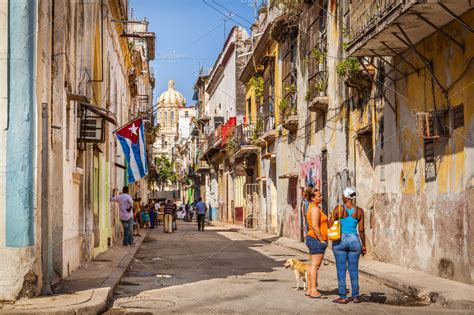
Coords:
169,216
125,202
201,213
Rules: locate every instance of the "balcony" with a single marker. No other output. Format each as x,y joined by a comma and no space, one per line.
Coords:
245,139
268,132
202,167
388,27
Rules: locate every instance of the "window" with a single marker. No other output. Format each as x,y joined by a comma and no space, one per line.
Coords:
186,114
316,49
165,121
458,117
172,118
430,163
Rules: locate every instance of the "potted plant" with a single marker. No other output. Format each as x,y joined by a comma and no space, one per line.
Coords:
283,106
320,57
321,86
351,70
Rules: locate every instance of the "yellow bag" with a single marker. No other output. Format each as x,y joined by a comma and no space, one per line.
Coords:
334,232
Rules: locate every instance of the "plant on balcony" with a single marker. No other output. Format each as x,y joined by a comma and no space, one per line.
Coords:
258,130
309,94
321,86
346,35
230,144
351,70
283,106
291,89
318,55
257,84
286,25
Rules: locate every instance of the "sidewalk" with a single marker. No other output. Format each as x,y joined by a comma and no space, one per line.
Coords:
86,290
420,285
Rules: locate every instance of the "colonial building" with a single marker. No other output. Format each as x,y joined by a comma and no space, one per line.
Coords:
226,107
352,93
167,114
58,153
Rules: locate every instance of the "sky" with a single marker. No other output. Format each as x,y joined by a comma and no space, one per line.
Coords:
189,34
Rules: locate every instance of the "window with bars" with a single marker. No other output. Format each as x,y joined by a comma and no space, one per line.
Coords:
316,50
458,117
290,72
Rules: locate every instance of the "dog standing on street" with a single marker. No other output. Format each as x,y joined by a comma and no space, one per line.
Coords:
300,270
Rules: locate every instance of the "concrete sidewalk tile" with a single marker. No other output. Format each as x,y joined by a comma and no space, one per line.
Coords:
420,285
109,266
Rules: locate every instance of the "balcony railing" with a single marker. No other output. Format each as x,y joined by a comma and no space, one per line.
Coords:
388,27
245,134
365,12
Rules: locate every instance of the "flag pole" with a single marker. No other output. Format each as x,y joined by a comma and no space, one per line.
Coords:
152,109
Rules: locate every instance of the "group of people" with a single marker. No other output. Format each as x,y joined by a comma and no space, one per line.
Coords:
135,215
348,247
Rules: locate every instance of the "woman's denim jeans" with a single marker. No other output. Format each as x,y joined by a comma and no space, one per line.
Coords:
347,252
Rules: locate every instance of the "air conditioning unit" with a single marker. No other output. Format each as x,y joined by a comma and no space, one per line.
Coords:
90,129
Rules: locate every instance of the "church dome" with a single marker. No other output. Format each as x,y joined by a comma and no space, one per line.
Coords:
171,96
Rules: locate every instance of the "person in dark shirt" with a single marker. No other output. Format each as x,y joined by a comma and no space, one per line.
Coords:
168,216
175,216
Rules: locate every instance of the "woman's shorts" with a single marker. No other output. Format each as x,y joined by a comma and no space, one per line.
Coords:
315,246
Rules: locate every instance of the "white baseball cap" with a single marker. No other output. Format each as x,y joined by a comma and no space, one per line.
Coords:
350,193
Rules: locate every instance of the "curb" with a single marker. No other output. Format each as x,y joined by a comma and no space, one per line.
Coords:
93,301
420,293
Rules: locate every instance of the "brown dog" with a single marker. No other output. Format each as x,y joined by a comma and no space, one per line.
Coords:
300,269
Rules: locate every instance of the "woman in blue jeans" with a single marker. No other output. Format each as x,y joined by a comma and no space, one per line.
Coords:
348,249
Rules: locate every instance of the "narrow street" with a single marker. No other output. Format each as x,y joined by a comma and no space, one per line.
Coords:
223,271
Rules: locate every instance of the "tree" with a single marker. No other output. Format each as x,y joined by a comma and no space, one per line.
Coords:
163,172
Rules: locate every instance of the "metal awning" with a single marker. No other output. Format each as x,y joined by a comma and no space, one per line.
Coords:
107,115
85,103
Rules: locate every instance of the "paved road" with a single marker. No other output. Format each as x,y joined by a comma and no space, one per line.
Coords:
220,271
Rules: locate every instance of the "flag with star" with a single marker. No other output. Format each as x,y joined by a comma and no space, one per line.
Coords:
132,139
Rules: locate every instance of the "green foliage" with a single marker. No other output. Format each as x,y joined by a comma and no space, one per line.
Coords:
291,89
257,84
283,106
321,85
163,173
318,55
348,66
309,94
258,130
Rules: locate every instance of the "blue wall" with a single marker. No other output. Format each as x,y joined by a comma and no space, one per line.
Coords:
21,144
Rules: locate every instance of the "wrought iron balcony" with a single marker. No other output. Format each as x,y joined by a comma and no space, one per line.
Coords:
388,27
245,137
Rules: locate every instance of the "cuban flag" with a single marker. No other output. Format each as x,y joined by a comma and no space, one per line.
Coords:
132,139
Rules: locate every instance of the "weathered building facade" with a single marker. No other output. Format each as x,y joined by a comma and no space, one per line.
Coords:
60,174
375,96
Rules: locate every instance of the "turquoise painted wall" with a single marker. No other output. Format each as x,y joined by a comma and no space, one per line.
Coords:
21,146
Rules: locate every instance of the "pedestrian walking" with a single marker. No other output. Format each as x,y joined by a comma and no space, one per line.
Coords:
168,226
145,217
175,216
316,239
151,210
201,213
348,249
125,202
186,209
